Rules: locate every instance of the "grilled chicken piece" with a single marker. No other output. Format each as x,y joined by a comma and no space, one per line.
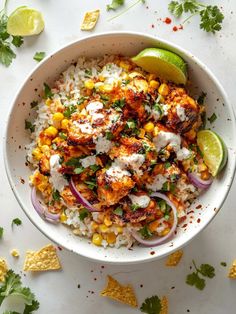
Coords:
135,105
68,197
111,190
44,166
179,100
128,146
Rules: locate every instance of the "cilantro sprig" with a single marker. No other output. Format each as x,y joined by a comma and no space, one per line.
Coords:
7,41
195,280
211,17
13,287
151,305
116,6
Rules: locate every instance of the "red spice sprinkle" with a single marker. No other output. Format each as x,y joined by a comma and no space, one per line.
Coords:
102,266
152,253
95,279
175,28
167,20
141,286
59,248
184,226
198,220
199,206
153,25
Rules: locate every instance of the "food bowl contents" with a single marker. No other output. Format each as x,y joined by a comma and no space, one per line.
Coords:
115,153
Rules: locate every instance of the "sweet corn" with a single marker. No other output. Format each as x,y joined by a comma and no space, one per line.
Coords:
15,253
94,225
101,78
63,217
111,238
119,229
141,133
89,84
165,232
107,221
163,90
149,127
46,150
124,76
58,116
64,124
125,65
51,131
155,131
103,228
37,153
106,88
153,225
48,102
151,77
97,239
154,84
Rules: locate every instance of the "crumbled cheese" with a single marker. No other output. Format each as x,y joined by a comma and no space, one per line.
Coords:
167,138
165,109
142,201
183,154
148,109
97,116
56,178
181,113
157,184
103,145
156,115
111,72
85,127
88,161
133,161
116,172
93,107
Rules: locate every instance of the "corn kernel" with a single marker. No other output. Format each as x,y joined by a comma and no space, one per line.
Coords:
97,239
48,102
125,65
154,84
124,76
107,221
119,229
153,225
94,225
51,131
106,88
46,150
98,85
151,77
37,153
141,133
165,232
103,228
89,84
64,124
58,116
101,78
155,131
163,90
15,253
63,217
111,238
149,127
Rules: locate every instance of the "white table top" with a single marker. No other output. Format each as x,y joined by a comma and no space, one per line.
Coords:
58,291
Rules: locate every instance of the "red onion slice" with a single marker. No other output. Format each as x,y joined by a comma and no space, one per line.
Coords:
198,182
41,210
159,240
80,197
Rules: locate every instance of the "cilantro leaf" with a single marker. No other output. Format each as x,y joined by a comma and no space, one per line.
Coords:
31,308
115,4
34,104
56,195
194,280
29,126
79,170
145,232
176,8
190,6
69,111
151,305
1,232
6,54
47,91
211,19
118,211
16,222
212,118
39,56
201,98
83,214
73,162
17,41
207,270
94,167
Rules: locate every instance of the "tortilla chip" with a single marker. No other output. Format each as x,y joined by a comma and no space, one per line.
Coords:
232,271
116,291
164,306
90,20
3,269
42,260
174,258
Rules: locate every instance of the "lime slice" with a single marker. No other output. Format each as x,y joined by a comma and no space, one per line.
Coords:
25,22
214,151
166,64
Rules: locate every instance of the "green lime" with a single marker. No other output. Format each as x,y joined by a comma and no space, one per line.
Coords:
25,22
166,64
214,150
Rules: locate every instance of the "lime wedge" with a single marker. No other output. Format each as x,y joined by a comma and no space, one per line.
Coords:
214,151
166,64
25,22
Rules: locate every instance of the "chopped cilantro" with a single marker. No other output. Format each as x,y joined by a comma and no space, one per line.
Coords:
158,108
134,207
118,211
88,73
81,100
115,4
79,170
95,167
83,214
47,91
212,118
69,111
73,162
146,147
39,56
56,195
201,98
62,135
130,124
203,118
109,135
167,165
29,126
34,104
119,104
224,264
1,232
16,221
194,279
151,305
91,184
145,232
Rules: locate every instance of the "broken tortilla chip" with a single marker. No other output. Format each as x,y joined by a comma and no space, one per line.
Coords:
174,258
232,271
116,291
3,269
90,20
42,260
164,306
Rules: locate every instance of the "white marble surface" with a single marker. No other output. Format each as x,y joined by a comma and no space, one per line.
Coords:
58,292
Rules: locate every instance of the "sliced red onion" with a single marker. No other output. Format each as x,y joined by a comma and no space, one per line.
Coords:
198,182
159,240
40,209
80,197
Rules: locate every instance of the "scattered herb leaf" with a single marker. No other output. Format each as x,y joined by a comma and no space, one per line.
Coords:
83,214
95,167
212,118
39,56
145,232
47,91
1,232
29,126
201,98
194,279
151,305
33,104
79,170
69,111
16,221
115,4
56,195
118,211
224,264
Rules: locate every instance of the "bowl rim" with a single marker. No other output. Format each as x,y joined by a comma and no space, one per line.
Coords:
183,51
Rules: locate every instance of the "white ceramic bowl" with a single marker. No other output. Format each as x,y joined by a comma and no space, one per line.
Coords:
127,44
